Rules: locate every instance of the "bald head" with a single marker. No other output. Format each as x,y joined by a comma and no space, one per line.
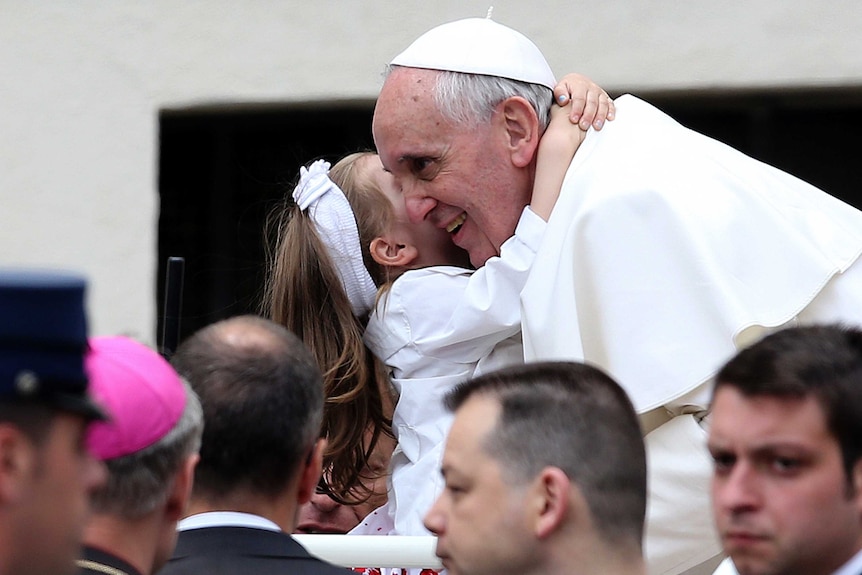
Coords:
262,397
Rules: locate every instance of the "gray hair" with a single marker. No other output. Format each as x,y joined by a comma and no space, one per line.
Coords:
139,482
471,98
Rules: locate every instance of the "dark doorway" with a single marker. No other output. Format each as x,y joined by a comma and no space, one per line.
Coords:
220,174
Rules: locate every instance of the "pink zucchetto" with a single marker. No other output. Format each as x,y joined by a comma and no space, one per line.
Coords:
139,389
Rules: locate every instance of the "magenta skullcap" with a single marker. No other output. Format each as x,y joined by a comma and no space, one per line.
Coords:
140,390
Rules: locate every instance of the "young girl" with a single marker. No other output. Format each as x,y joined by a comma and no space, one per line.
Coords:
349,263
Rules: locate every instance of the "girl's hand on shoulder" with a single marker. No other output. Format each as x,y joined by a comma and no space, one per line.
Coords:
590,104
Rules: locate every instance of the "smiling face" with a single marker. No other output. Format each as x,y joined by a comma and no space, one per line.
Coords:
459,177
434,245
780,495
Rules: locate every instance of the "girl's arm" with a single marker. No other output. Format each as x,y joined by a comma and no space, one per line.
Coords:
556,150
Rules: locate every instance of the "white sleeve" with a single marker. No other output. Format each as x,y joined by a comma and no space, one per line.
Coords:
463,319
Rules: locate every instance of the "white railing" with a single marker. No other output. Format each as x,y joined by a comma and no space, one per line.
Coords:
374,550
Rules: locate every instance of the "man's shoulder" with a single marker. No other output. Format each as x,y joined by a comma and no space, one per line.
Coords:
244,550
100,561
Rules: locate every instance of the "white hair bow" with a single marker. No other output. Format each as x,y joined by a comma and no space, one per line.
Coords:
336,225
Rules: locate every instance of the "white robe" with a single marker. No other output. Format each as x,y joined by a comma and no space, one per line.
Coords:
665,253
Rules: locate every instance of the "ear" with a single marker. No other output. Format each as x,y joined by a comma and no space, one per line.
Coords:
310,474
178,500
552,497
389,253
17,460
522,129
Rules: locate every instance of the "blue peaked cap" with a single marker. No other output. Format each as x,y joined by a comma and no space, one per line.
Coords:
43,340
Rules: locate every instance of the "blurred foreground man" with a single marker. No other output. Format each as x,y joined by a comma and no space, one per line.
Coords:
46,473
786,438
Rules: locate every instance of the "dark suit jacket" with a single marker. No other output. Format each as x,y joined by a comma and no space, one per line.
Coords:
95,561
243,550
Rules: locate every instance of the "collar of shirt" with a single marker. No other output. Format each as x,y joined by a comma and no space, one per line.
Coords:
852,567
226,519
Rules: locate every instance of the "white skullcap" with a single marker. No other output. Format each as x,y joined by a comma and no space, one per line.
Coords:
478,46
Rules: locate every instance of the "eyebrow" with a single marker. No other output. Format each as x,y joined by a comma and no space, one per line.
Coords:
771,447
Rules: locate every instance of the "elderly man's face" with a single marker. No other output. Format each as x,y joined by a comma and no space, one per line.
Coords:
459,177
780,495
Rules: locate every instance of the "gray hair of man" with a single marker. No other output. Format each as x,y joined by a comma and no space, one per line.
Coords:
139,482
471,98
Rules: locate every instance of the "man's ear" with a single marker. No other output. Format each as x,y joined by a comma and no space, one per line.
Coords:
178,500
17,459
551,497
310,474
522,129
391,254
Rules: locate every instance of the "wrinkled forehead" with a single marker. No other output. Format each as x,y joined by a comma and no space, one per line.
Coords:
407,97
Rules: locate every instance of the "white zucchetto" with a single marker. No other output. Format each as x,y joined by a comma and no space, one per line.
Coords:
478,46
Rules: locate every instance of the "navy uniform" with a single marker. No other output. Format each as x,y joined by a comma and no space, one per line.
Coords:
44,414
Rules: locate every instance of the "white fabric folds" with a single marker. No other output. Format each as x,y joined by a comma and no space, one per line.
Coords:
668,250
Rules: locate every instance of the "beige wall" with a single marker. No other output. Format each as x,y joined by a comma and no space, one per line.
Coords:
83,82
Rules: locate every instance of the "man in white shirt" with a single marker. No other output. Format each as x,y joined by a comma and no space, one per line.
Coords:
261,452
786,441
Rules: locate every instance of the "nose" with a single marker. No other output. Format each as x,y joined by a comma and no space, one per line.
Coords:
435,520
417,203
324,503
738,490
418,207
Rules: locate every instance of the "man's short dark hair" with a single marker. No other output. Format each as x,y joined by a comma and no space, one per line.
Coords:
574,417
262,398
821,361
34,419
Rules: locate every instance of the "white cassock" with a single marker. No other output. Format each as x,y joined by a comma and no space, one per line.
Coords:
666,252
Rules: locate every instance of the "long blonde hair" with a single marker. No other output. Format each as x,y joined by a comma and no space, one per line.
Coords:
303,292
